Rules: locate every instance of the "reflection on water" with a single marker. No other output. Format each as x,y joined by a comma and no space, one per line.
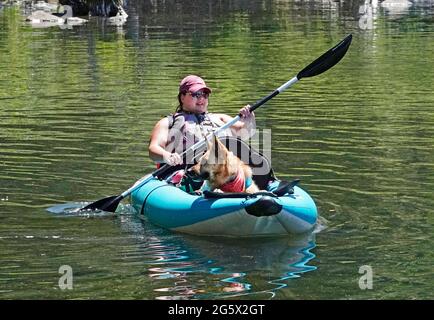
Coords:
186,267
371,10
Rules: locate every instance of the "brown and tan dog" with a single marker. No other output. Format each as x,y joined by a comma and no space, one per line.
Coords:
223,170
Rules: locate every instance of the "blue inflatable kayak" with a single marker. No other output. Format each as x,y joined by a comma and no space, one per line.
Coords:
288,211
282,208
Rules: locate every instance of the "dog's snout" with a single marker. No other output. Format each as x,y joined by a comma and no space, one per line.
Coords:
199,171
194,169
204,174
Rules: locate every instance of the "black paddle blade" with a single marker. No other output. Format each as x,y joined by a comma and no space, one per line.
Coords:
108,204
327,60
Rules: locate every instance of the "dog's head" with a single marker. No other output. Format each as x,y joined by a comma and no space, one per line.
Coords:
217,164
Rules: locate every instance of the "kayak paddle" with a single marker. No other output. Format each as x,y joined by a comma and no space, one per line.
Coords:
320,65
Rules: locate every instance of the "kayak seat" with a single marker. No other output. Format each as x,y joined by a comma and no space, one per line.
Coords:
261,166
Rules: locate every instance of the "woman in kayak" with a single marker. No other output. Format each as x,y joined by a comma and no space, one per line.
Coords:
191,122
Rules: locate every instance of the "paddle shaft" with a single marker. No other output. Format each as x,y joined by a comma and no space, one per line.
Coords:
282,88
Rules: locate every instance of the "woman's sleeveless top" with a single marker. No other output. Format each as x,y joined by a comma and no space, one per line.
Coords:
186,129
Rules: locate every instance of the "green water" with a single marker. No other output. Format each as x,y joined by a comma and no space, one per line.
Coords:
77,106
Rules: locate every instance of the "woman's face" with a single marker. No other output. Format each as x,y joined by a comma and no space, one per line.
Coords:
196,102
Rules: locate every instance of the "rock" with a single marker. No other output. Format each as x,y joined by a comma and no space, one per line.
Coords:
107,8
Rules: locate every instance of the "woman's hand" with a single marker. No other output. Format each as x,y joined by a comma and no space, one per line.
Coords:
248,123
245,128
245,113
172,159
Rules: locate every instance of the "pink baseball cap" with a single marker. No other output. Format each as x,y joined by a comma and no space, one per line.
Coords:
192,83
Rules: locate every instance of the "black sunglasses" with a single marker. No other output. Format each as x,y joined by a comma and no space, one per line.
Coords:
199,94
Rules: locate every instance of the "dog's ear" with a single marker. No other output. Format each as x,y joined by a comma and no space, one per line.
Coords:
219,144
210,143
211,152
217,151
222,151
